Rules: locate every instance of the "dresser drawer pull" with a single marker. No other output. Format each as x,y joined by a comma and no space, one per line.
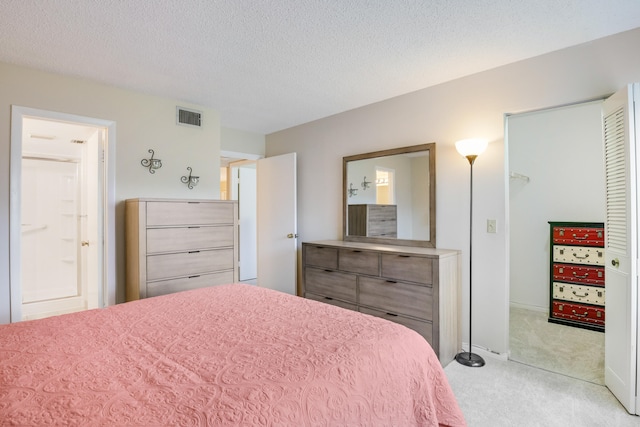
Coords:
586,294
391,281
404,256
580,276
328,298
329,271
193,226
586,236
193,203
580,315
392,314
193,277
356,252
581,257
194,252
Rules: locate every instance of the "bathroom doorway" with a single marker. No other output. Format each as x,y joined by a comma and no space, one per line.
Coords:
58,241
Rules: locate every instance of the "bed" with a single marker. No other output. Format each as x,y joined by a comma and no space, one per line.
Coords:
235,355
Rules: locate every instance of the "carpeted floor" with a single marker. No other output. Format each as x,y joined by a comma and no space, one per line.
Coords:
507,393
575,352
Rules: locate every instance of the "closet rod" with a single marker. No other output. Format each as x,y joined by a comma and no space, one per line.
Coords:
519,176
50,158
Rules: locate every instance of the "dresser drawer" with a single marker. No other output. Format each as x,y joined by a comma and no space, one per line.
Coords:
407,268
321,256
423,328
188,263
164,287
578,255
579,293
578,312
188,238
329,300
188,213
332,284
585,236
357,261
396,297
579,274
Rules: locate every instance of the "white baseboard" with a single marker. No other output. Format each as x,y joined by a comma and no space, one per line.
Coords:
529,307
484,352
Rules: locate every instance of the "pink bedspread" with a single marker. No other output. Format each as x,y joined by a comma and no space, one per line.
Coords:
232,355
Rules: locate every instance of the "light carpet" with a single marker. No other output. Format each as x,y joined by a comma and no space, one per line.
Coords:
576,352
506,393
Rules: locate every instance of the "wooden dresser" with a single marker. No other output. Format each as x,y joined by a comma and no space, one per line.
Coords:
416,287
174,245
577,292
373,220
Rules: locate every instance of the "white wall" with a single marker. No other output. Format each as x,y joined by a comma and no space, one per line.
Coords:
468,107
142,122
561,151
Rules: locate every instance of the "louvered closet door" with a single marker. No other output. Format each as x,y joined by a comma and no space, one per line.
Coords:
621,231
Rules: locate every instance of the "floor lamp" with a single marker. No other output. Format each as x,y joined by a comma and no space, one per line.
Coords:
470,148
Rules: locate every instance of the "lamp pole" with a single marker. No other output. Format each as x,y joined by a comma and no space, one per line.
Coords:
468,358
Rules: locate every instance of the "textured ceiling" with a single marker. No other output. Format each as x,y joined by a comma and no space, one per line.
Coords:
267,65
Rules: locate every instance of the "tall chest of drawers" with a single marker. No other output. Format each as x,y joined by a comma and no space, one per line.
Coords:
174,245
416,287
577,287
373,220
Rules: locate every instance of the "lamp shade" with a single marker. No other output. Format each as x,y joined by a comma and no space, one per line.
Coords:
471,147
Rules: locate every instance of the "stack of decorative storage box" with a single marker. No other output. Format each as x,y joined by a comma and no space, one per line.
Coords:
577,292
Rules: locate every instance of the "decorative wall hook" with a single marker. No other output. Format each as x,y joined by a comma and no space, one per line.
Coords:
190,180
352,191
365,184
151,163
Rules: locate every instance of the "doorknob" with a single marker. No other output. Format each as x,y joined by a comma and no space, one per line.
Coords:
615,262
85,243
291,235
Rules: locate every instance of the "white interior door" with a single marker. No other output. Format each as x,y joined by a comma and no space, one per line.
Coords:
621,253
277,222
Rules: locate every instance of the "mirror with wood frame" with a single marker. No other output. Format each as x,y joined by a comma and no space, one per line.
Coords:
390,196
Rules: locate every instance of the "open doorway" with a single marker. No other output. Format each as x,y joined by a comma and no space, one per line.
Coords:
61,205
238,182
556,165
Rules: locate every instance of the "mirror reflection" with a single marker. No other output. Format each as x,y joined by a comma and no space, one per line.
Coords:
390,196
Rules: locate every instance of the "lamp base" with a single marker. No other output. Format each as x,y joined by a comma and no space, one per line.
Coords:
470,359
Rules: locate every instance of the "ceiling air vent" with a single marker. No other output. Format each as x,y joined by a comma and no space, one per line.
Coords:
188,117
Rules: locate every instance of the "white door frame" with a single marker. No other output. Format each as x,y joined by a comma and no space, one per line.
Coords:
108,294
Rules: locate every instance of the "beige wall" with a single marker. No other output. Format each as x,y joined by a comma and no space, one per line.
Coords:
469,107
142,122
239,141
